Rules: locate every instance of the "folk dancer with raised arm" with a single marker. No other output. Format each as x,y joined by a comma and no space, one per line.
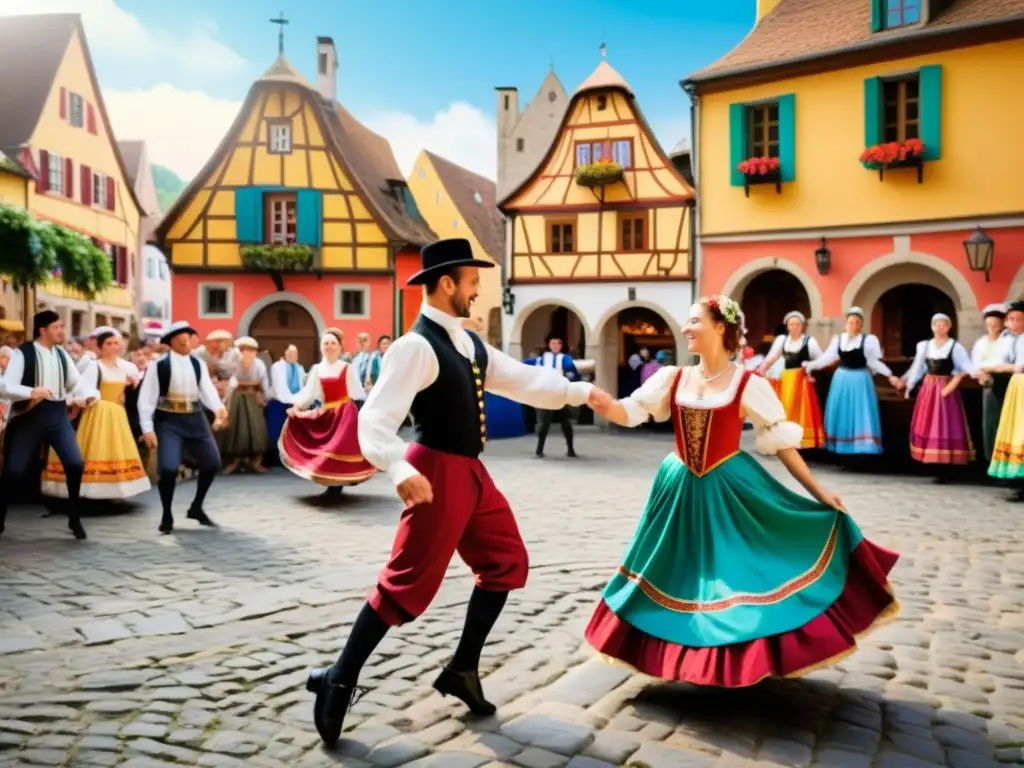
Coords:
173,393
1008,452
439,372
985,354
554,359
796,388
41,382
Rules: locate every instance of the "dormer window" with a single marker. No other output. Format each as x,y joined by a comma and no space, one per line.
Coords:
280,137
602,103
901,13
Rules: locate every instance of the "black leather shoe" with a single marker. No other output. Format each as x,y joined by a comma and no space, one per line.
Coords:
332,704
466,687
75,526
197,514
166,523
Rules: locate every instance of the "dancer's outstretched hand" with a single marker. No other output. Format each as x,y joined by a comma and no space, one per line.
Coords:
832,500
415,490
600,401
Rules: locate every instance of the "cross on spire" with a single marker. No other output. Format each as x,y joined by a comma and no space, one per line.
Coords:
604,50
281,21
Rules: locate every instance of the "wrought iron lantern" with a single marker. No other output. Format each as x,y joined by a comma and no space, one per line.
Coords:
980,252
508,300
823,258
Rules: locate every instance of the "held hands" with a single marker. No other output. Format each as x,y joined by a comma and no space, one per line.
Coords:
42,393
600,402
415,490
220,421
149,438
897,383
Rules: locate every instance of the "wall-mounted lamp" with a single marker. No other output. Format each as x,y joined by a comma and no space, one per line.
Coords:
981,251
823,258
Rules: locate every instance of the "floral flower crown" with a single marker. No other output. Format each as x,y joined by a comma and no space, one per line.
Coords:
727,308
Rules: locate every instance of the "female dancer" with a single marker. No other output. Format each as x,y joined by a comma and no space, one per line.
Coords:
852,421
986,354
1008,453
286,379
245,441
322,444
796,389
731,577
938,432
113,467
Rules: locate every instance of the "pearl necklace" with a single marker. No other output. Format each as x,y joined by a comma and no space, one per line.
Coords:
708,379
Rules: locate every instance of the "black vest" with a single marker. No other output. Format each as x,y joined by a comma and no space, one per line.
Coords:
854,359
28,376
449,414
942,366
798,358
163,372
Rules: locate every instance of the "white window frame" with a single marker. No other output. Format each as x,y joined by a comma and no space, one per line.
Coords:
55,173
281,138
72,99
99,190
339,288
204,289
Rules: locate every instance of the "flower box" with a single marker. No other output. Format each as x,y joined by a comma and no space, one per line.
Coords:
276,260
599,174
761,170
893,155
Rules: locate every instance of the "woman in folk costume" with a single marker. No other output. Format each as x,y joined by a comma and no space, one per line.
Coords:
1008,452
796,387
286,379
113,466
245,441
852,421
322,444
731,577
938,432
986,355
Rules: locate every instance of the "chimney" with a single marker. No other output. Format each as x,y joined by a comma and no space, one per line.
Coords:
326,69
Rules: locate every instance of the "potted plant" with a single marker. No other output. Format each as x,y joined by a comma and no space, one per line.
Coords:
761,170
277,259
599,174
894,154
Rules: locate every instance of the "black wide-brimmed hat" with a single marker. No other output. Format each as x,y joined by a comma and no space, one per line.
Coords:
444,254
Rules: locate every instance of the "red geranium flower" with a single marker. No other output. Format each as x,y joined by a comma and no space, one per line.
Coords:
759,166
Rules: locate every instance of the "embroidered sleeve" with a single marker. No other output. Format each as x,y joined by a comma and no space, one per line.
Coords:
651,399
772,432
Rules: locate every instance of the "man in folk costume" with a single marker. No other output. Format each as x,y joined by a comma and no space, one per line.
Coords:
439,372
172,395
1008,375
987,353
558,361
41,381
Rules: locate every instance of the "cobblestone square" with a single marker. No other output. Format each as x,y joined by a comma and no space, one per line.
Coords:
132,649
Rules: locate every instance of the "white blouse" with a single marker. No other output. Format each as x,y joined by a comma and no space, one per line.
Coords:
930,350
790,345
124,371
985,352
846,343
313,390
759,403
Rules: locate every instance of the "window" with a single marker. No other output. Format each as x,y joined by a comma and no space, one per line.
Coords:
619,151
552,96
215,301
520,145
900,13
763,140
633,232
561,236
280,138
478,198
602,103
76,110
506,102
55,172
322,63
163,270
99,190
901,109
111,251
280,218
351,302
150,268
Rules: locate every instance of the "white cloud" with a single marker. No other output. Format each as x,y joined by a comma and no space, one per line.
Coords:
181,128
461,133
121,36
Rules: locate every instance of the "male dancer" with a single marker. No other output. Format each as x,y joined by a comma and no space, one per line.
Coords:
439,372
556,360
41,381
171,419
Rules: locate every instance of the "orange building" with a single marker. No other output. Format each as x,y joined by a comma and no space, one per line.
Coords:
300,221
823,90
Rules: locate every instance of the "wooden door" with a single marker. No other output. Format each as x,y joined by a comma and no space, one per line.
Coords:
282,323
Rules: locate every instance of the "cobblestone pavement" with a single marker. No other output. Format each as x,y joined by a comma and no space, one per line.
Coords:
136,650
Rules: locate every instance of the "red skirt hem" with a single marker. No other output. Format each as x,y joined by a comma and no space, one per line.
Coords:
866,603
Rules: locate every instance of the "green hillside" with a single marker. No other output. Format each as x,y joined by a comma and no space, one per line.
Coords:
168,186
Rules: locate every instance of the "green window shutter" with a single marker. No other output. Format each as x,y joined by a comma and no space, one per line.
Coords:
877,15
872,111
787,136
931,111
249,214
737,142
310,220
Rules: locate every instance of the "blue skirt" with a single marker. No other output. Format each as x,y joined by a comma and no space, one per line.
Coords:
852,421
276,417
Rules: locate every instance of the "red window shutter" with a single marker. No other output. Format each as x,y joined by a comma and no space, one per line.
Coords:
90,118
86,185
43,182
69,177
63,103
111,194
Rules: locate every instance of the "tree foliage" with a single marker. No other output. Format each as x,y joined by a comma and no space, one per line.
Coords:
82,265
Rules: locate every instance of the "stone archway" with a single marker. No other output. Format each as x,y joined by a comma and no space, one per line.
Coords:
621,331
768,298
739,280
281,323
536,320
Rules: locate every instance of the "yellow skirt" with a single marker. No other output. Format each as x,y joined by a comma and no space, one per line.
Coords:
113,468
800,399
1008,453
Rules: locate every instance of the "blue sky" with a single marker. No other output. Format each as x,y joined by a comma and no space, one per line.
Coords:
402,63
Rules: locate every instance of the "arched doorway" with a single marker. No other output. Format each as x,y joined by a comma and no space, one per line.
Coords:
902,317
282,323
766,300
553,319
632,339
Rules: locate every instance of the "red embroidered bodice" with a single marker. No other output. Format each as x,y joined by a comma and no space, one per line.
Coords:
335,389
706,437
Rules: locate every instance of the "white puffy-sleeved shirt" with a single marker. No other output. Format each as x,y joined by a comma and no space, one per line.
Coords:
792,346
48,374
985,352
847,343
182,386
1010,349
929,350
279,381
759,403
313,390
122,371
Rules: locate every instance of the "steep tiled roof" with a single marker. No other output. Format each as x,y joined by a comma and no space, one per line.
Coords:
132,151
604,76
474,196
798,29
